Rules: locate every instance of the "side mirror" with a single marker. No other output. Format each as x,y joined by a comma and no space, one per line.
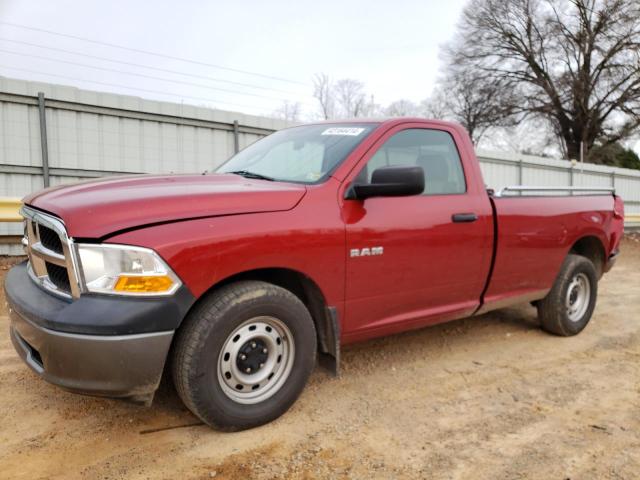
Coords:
394,181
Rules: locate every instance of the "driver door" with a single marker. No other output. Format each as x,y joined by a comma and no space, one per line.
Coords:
409,262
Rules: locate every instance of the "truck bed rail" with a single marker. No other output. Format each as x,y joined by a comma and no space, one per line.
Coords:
505,191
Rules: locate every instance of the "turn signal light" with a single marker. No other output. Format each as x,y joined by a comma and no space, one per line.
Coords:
143,283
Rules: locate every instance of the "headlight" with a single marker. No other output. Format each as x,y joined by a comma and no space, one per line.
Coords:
125,270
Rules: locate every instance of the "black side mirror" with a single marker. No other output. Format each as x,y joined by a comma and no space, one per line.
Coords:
394,181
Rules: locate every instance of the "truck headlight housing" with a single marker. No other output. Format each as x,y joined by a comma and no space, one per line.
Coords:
125,270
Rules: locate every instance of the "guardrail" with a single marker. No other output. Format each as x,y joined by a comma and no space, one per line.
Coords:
10,212
632,221
10,209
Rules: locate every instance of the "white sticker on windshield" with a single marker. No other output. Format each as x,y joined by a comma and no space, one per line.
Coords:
349,131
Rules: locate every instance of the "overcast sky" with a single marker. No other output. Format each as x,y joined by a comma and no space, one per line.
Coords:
390,46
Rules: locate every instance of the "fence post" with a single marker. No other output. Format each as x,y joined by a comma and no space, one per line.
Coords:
613,179
571,179
236,137
520,173
43,139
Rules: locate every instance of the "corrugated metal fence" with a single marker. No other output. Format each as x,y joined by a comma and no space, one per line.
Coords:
53,134
503,169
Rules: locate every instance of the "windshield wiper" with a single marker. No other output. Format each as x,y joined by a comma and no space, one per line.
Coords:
248,174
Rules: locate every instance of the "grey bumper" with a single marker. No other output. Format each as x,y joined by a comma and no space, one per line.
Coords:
98,344
107,365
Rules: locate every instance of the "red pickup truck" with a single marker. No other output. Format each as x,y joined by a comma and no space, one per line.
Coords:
311,238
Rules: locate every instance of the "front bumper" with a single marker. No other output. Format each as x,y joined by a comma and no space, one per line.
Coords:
115,366
123,363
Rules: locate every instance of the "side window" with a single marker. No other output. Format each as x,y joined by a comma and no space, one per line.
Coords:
433,150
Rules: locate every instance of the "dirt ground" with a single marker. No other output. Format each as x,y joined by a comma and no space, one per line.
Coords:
486,398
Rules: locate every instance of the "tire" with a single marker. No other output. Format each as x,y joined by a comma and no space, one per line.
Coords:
244,354
568,307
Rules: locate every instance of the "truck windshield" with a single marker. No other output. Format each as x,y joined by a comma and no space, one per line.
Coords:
306,154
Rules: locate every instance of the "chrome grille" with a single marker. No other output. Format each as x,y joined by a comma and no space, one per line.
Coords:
50,239
59,277
51,253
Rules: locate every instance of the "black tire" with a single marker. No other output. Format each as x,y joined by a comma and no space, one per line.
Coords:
207,330
553,311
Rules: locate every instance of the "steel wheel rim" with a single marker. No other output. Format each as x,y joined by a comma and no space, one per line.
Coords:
578,297
269,371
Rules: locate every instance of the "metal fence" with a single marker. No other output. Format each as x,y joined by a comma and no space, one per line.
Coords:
503,169
52,134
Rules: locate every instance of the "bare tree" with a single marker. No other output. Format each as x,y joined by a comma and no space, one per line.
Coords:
575,63
475,102
519,138
434,107
351,97
289,111
402,108
324,94
344,98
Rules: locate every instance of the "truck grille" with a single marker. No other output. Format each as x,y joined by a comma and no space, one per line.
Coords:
59,277
51,261
50,239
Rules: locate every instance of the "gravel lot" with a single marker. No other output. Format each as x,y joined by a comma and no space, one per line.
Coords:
485,398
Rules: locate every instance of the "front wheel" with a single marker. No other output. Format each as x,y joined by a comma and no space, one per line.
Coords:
244,355
568,307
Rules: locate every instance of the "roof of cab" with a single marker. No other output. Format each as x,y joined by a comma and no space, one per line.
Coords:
389,121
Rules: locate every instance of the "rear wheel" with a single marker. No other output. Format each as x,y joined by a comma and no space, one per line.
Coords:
244,354
568,307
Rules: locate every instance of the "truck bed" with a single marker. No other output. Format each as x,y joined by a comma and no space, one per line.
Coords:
533,235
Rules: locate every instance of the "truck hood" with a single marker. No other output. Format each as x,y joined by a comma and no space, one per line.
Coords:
97,208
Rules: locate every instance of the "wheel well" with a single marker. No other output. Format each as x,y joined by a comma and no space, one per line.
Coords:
303,287
591,248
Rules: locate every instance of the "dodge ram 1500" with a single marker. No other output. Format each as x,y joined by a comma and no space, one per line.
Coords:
311,238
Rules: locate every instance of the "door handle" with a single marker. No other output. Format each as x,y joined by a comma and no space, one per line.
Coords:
464,217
